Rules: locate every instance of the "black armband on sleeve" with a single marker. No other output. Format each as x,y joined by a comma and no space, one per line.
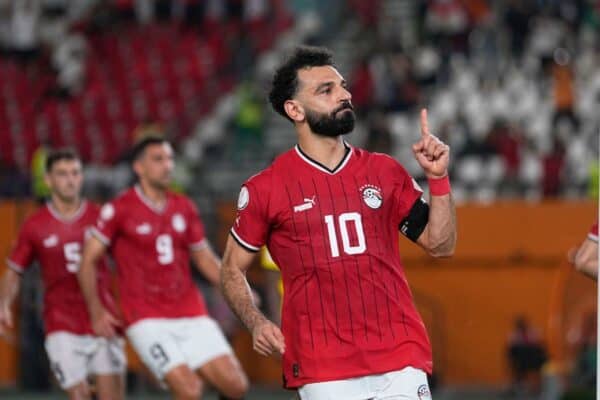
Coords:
415,222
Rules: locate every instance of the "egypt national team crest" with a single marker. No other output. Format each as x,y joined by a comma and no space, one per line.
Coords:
423,393
372,196
178,223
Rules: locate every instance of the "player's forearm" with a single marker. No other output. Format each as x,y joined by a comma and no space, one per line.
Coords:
237,292
9,287
209,265
441,229
87,282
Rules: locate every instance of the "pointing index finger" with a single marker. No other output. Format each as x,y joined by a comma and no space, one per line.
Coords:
424,124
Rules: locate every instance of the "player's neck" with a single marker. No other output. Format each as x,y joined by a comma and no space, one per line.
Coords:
328,151
66,209
157,197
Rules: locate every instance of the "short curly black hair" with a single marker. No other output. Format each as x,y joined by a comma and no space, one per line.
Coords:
285,81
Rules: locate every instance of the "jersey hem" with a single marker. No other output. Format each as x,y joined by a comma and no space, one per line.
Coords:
593,238
243,243
14,266
100,236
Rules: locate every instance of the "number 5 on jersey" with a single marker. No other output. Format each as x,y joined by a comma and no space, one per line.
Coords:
343,220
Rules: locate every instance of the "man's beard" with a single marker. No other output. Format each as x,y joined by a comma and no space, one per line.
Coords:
332,125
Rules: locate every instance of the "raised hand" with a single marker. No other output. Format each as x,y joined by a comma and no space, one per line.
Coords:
431,153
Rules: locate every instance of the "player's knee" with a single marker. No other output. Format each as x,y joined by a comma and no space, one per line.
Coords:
191,390
235,386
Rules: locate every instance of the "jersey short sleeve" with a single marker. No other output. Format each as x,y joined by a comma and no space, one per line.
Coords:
22,254
406,190
195,233
251,225
593,233
107,225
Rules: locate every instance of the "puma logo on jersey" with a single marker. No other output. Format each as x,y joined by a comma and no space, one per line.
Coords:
307,205
51,241
143,229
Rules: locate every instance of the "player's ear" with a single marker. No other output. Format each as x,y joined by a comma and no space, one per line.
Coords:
47,179
294,110
137,167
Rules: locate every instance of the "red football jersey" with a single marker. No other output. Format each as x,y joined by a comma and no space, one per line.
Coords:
593,234
57,243
151,248
347,307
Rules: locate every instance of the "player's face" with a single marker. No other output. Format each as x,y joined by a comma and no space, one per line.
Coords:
326,101
156,165
65,179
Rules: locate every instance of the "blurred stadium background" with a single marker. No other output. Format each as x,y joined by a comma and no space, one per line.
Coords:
512,86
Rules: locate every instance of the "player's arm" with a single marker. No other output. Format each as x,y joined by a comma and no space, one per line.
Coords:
266,336
208,264
103,322
9,288
585,258
439,236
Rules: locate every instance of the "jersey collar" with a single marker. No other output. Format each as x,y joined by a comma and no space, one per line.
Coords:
144,199
54,212
320,166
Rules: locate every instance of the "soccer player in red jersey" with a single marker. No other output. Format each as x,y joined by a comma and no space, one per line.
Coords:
151,233
54,236
329,214
585,257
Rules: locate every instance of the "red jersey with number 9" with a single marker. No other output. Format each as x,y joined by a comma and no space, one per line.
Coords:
56,243
151,248
347,309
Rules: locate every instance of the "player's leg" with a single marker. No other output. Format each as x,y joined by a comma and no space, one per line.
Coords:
108,364
184,383
209,354
226,375
155,343
68,359
80,391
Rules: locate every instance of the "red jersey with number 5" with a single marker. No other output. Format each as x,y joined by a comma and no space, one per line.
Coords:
151,248
56,243
347,307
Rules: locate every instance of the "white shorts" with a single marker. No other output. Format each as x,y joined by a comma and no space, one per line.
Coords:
75,357
407,384
164,343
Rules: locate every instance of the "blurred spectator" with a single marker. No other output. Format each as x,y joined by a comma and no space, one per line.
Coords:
552,166
69,60
40,190
526,356
248,123
25,29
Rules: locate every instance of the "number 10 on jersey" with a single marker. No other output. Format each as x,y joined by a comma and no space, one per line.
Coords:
342,222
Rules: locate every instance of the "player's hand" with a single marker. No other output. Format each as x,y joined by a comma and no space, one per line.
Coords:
267,338
572,254
431,153
104,323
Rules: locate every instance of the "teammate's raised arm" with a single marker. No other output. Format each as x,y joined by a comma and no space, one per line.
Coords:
103,322
433,155
266,336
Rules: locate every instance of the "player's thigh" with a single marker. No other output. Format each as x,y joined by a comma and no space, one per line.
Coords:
184,383
226,375
201,340
157,347
67,354
109,362
407,384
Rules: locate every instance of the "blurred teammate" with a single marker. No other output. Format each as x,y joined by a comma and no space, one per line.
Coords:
585,257
330,214
54,236
151,233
